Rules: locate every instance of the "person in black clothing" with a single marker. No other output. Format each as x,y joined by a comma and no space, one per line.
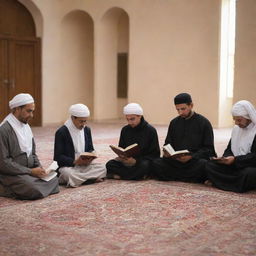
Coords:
236,170
189,131
140,132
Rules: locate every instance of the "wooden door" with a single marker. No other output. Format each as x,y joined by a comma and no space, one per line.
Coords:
3,78
20,57
20,72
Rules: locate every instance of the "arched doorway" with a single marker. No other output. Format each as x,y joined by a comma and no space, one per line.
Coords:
20,60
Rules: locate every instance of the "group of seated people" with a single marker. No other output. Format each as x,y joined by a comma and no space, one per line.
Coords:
21,172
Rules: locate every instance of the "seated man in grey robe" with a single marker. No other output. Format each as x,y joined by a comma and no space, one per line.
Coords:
20,169
236,170
188,131
72,139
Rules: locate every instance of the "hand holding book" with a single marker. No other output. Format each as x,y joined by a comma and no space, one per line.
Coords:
85,158
170,152
51,171
130,151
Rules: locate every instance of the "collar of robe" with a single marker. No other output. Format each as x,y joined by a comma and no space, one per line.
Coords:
140,126
192,115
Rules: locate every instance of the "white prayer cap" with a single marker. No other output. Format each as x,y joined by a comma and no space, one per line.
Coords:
20,100
79,110
133,109
245,109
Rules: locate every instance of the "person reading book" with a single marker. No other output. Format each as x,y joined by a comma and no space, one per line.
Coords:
190,131
236,169
20,168
138,131
72,142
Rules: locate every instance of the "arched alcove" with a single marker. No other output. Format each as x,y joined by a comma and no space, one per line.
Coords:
112,64
77,59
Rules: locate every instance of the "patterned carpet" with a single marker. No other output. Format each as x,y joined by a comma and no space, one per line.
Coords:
129,218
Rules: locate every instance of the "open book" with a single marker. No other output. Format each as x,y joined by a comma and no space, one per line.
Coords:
170,150
129,151
88,155
51,171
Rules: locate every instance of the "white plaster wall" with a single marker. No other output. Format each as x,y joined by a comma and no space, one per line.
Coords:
173,47
76,61
245,59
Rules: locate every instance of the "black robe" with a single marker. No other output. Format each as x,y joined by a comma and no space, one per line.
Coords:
194,134
238,177
146,137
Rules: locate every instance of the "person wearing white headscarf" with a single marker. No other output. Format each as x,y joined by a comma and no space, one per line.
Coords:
20,169
236,170
71,140
137,131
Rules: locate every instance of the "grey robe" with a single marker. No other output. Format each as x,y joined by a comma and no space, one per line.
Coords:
15,169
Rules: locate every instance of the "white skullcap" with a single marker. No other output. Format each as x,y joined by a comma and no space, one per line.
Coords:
245,109
133,109
79,110
20,100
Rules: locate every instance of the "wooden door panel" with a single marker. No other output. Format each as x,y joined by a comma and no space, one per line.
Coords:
24,70
4,109
15,19
21,59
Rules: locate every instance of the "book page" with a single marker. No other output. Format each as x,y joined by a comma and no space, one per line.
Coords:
51,171
169,149
50,176
182,152
52,167
117,148
131,146
86,155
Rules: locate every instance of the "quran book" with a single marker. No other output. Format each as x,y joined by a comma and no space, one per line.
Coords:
88,155
129,151
51,171
172,153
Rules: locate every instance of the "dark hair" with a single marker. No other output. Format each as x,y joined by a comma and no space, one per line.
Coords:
183,98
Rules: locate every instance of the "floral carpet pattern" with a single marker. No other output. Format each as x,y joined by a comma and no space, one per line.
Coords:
127,217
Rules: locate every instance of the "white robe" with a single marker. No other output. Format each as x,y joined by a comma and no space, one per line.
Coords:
76,176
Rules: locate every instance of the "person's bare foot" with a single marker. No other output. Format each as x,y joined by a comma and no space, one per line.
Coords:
208,183
116,177
99,180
